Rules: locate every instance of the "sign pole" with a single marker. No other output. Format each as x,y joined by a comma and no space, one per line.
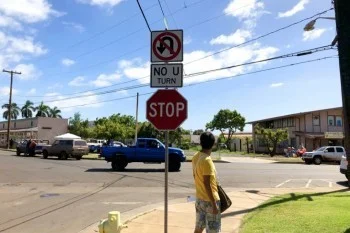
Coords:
166,181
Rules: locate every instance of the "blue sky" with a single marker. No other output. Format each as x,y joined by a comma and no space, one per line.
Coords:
75,46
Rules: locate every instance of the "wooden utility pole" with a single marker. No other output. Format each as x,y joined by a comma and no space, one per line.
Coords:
342,14
9,115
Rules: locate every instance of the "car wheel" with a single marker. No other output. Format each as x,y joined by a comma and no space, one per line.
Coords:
18,152
78,157
45,154
317,160
119,163
63,155
174,165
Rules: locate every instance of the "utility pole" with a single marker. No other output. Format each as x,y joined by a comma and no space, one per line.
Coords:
9,108
342,14
137,116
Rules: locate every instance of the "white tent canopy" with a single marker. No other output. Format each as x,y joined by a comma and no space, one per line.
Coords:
67,136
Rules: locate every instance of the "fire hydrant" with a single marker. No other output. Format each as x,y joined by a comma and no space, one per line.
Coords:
112,224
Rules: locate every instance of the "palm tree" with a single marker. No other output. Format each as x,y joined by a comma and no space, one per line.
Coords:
54,112
15,110
42,110
28,109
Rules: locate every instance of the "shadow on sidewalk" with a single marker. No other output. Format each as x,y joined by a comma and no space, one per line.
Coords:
293,197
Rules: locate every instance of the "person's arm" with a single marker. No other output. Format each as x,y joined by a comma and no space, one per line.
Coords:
209,191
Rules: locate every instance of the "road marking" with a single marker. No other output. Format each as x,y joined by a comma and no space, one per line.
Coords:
120,203
308,184
283,183
330,184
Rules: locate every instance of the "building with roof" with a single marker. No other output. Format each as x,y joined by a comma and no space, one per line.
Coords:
42,128
309,129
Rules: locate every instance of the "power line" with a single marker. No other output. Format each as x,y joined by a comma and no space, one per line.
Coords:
171,14
212,80
164,18
260,37
304,52
144,17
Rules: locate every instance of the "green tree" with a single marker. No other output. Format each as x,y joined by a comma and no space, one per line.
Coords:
28,109
198,132
54,112
227,121
271,137
147,130
115,127
15,110
42,110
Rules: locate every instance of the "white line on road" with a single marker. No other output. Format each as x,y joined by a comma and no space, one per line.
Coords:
283,183
330,184
120,203
308,184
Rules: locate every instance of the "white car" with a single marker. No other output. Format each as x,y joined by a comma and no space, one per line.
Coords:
325,153
344,166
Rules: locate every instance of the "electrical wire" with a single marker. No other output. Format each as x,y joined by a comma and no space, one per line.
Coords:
304,52
207,81
143,14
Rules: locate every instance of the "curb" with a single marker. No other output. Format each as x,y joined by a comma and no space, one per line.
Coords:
134,213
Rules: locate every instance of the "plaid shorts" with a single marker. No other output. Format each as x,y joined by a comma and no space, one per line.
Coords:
204,217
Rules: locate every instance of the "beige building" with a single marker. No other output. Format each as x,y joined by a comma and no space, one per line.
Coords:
42,128
310,129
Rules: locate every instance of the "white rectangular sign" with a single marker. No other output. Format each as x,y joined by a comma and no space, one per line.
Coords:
167,75
167,46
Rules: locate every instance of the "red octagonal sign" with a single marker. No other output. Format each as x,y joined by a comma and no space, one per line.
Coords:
166,109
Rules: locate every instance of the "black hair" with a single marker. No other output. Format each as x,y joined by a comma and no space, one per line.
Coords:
207,140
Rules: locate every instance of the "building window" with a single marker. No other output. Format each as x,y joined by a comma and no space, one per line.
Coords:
339,121
3,126
14,124
316,120
291,122
31,123
331,121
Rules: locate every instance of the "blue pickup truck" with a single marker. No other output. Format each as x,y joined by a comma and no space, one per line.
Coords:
146,150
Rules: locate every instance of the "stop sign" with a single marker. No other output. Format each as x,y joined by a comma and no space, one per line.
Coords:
166,109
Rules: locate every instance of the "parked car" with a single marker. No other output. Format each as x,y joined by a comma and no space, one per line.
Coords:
344,166
325,153
146,150
95,144
65,148
22,147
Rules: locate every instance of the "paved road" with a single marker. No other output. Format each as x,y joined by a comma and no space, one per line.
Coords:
38,195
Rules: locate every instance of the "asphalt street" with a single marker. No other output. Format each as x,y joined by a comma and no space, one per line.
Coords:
55,196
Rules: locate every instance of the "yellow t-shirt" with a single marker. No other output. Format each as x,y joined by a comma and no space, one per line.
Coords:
203,165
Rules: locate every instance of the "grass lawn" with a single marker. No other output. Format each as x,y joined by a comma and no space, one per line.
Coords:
299,213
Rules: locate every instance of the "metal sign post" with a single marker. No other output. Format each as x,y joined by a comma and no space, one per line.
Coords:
166,181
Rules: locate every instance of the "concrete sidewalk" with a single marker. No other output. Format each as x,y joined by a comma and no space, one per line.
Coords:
182,215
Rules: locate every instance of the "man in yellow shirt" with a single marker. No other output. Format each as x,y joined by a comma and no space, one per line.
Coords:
208,214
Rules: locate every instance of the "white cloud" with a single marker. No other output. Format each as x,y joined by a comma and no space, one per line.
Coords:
110,3
5,91
32,91
274,85
135,69
29,11
89,100
28,71
314,34
67,62
55,86
297,8
17,45
122,92
245,9
10,23
238,37
104,80
76,26
187,40
78,82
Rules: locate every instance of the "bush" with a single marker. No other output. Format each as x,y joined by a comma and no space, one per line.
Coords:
185,146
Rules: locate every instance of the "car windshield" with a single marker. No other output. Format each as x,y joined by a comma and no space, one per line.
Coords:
321,148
